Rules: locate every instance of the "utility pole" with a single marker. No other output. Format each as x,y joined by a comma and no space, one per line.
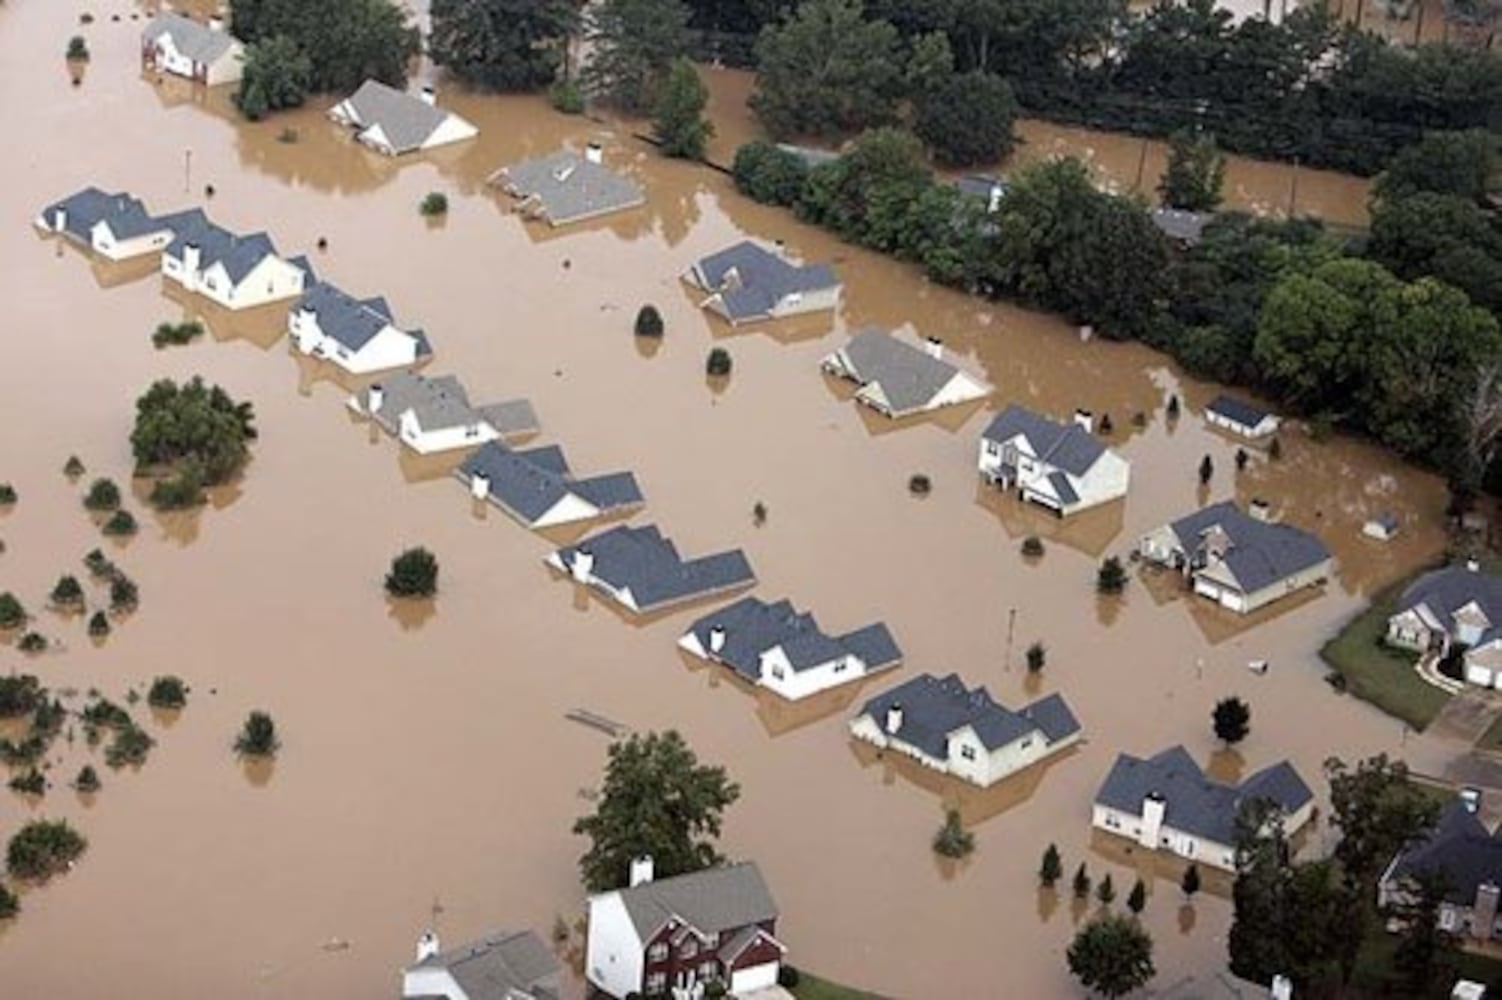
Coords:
187,171
1141,166
1011,628
1293,188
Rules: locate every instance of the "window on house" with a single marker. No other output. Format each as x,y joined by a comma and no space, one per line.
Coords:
840,665
992,448
657,953
777,673
1447,919
967,752
708,971
657,984
1027,743
689,950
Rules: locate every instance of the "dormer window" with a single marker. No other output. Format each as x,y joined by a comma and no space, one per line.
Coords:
658,952
690,949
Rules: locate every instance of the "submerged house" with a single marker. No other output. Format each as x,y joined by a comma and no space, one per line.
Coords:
507,965
1240,417
1182,227
1468,856
1239,560
537,489
1062,466
898,379
963,731
1166,802
179,45
236,272
434,414
675,936
643,572
1458,607
115,226
785,650
987,188
394,122
358,335
747,283
564,187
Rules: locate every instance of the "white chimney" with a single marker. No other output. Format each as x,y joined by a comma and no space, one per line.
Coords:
375,396
427,945
1282,988
1473,565
584,564
216,23
1085,419
717,638
641,870
594,153
59,220
894,717
993,203
479,486
428,95
1260,510
934,347
192,259
1153,811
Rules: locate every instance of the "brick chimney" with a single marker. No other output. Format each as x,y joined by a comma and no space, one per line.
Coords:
1484,911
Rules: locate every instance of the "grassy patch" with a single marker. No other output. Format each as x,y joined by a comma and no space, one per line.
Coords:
1379,674
813,988
1374,964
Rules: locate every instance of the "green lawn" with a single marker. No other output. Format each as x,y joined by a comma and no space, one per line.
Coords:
813,988
1374,970
1492,738
1385,677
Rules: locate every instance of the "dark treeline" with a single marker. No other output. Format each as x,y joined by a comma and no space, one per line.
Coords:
1378,344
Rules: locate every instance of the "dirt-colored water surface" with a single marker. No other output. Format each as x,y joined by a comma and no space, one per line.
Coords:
426,757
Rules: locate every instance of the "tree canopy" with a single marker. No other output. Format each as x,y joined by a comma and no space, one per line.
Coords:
967,118
509,45
276,75
678,120
1112,955
199,432
345,41
635,43
1195,173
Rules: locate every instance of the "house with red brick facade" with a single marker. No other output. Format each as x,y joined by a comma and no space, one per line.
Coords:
673,937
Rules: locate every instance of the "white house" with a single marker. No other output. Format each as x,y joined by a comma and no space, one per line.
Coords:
432,415
1241,418
236,272
358,335
677,935
182,46
115,226
509,965
393,122
1454,608
1063,467
1241,561
641,570
537,489
785,651
748,283
964,732
1167,803
898,378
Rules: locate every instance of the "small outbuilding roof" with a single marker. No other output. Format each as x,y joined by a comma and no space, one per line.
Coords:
1238,411
933,709
566,187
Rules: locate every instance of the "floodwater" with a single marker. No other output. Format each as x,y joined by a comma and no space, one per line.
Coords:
427,766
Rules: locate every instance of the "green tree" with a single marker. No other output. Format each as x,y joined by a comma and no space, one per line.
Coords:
508,45
258,736
658,801
635,43
1233,720
1106,890
1051,867
103,495
167,691
192,426
1111,578
769,175
648,322
1446,163
43,848
1424,946
9,904
87,780
276,75
718,363
1190,883
1081,882
68,592
414,573
953,840
678,122
826,70
1112,955
12,612
1195,174
1037,655
1137,898
1378,810
967,119
1447,236
345,41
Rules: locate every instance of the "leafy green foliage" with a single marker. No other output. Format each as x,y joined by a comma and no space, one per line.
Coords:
1232,720
1461,164
953,840
8,495
78,49
167,691
32,642
1112,955
345,41
29,783
277,75
657,801
19,695
414,573
88,780
648,322
434,204
678,121
1080,884
129,747
175,334
99,565
1378,811
1424,946
718,364
99,625
635,43
1189,884
73,467
1051,867
10,905
43,848
258,736
124,594
967,119
566,97
1106,890
179,491
12,612
67,592
769,175
1137,899
103,495
1111,578
1032,547
176,425
1195,174
506,45
1037,656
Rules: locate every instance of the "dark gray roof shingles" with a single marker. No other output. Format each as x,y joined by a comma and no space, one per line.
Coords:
934,708
642,560
753,627
569,187
492,967
762,278
909,377
530,483
1460,847
1066,446
714,901
1261,552
1237,410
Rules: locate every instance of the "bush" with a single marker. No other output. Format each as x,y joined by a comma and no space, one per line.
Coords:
32,642
192,423
99,625
103,495
167,692
1081,883
170,334
1032,547
124,594
87,780
101,713
43,848
129,747
179,491
276,75
787,976
258,736
78,49
718,363
565,96
919,485
1051,867
967,120
414,573
98,564
122,524
953,840
770,175
434,204
648,322
19,695
8,495
68,592
9,904
29,783
1111,578
12,613
1037,655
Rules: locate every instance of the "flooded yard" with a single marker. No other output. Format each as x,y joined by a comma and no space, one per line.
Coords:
427,765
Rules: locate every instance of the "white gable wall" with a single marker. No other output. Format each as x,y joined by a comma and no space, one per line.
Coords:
1108,479
451,129
959,389
103,240
426,442
568,509
797,303
614,954
778,675
421,982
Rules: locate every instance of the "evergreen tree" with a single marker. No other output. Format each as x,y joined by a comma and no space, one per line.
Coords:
635,43
508,45
1051,868
678,122
1195,175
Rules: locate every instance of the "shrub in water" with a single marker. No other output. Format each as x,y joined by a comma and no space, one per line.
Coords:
953,840
414,573
43,848
121,524
718,363
130,746
1032,547
99,625
167,692
124,594
68,592
648,322
12,613
258,736
32,642
8,495
87,780
434,204
103,495
565,96
78,49
1112,576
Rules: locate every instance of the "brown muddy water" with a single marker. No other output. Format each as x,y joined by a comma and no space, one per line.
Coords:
426,760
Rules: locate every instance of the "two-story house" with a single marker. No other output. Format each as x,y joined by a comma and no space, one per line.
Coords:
358,335
1063,467
236,272
674,936
1451,608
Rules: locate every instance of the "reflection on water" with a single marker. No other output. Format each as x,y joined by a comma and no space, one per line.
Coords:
411,612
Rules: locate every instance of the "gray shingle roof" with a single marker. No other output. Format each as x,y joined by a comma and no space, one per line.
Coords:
1237,410
1460,847
497,964
441,402
511,417
908,376
198,42
980,185
568,187
752,627
715,900
530,483
1195,803
1177,224
350,321
127,216
1067,446
405,120
644,561
934,708
1445,591
1261,553
238,254
751,279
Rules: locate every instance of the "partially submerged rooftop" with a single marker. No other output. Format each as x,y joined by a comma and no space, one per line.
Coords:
502,966
713,900
1260,552
442,402
406,122
643,563
350,321
751,280
750,627
898,376
528,484
83,210
565,187
932,709
191,38
1064,445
